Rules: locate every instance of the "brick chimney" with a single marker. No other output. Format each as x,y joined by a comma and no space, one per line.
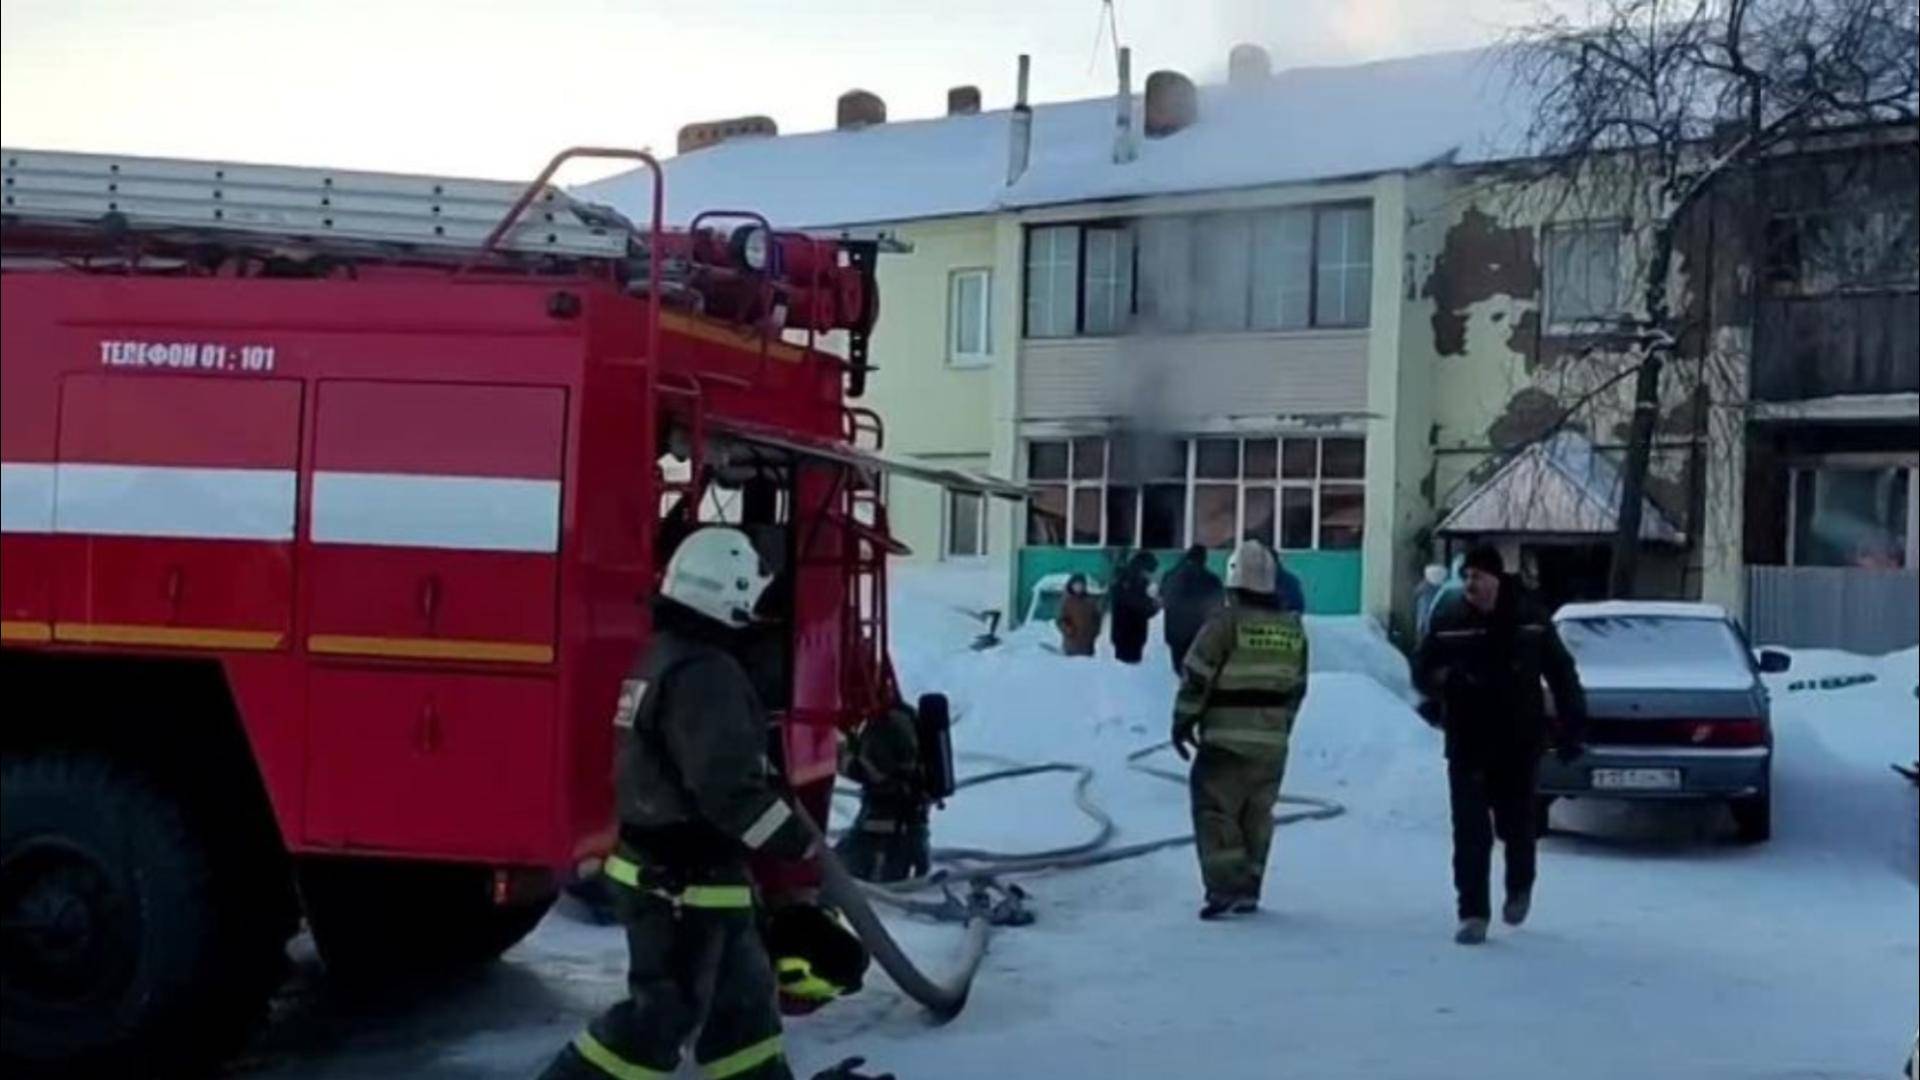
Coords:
1172,103
1248,66
963,101
705,133
858,109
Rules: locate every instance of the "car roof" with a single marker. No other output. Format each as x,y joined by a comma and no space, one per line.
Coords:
1641,609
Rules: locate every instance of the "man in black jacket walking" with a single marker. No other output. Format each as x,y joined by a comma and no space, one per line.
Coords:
1480,669
1190,593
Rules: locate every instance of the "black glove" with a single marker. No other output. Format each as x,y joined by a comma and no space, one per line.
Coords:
849,1070
1567,750
1183,741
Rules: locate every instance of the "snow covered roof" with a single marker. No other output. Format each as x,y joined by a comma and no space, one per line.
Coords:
1559,486
1640,609
1305,124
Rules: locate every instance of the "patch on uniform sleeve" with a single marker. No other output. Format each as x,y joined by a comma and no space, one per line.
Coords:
631,691
1272,637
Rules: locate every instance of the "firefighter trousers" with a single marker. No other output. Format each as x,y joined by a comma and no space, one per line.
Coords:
1491,799
1233,796
695,961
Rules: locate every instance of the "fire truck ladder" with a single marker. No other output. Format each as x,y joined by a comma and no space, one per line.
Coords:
869,541
303,205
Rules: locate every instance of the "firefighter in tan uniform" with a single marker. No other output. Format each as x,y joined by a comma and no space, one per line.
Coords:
1241,686
696,797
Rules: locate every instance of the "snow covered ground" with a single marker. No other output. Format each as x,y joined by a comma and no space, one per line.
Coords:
1658,947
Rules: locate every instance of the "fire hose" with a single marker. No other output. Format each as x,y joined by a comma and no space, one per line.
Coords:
980,868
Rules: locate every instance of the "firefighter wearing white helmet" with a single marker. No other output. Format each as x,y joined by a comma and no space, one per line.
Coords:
696,797
1241,686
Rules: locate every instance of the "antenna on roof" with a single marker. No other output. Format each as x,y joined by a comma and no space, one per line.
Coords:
1106,25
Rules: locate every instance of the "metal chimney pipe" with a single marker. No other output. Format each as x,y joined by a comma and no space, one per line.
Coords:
1020,127
1123,148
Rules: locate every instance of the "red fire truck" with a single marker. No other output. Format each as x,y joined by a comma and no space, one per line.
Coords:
331,504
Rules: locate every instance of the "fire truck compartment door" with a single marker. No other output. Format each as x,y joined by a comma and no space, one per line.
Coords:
430,763
872,462
435,521
174,504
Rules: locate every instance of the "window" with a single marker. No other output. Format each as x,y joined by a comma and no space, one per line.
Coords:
1859,516
1297,493
969,325
1163,517
1343,266
1222,267
1068,483
966,525
1837,249
1109,281
1166,280
1583,274
1292,269
1844,223
1296,518
1282,270
1053,281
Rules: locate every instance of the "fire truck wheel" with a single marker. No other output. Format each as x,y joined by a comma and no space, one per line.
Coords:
106,922
384,920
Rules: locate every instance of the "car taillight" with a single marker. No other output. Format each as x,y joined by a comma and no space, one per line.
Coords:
1724,732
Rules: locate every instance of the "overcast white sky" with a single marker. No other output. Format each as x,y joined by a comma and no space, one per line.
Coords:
490,88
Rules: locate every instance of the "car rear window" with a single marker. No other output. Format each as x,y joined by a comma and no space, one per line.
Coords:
1654,651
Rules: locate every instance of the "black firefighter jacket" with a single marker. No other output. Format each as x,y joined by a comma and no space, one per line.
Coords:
693,783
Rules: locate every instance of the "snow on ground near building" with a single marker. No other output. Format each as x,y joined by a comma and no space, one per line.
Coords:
1659,948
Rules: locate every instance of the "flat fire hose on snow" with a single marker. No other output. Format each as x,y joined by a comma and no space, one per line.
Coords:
980,867
843,890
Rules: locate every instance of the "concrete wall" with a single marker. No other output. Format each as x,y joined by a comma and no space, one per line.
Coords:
932,408
1325,381
1497,378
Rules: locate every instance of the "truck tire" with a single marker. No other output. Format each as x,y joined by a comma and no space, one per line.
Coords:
1753,818
113,953
385,920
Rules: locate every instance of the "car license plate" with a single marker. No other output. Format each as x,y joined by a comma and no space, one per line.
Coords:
1636,779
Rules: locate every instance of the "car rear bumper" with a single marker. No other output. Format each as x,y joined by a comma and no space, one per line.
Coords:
1705,772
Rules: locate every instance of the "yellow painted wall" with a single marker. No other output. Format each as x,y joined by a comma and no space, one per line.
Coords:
931,408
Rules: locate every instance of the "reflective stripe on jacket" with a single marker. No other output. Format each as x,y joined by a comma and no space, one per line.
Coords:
693,757
1244,680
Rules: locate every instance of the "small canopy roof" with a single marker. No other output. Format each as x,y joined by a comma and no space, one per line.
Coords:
1560,486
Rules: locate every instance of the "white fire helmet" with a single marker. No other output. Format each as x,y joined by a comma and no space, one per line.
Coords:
717,572
1251,568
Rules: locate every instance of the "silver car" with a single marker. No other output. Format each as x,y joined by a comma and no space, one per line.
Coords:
1676,709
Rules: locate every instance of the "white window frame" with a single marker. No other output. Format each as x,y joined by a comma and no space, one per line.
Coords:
1841,462
1072,486
1049,264
983,319
1555,322
1242,484
949,520
1320,262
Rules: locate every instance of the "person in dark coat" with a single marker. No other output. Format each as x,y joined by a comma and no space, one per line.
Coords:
1134,606
1190,593
695,798
1480,671
1079,618
1287,590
